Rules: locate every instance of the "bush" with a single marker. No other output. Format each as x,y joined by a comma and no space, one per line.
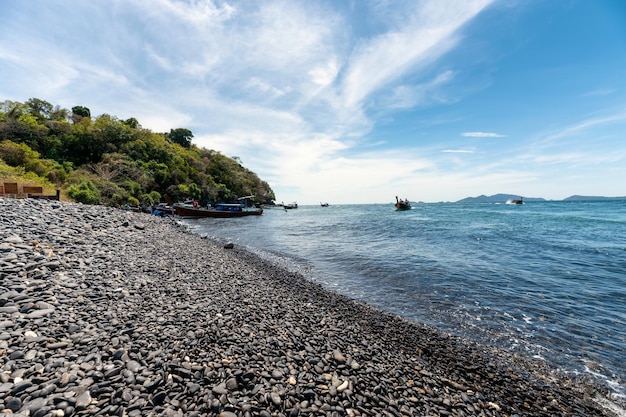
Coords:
86,193
155,196
117,199
150,199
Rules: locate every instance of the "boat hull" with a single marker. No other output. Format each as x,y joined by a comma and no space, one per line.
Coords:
401,206
192,212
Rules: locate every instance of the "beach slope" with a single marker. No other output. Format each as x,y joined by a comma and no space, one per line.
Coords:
108,312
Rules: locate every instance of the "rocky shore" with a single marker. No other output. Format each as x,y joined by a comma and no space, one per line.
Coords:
111,313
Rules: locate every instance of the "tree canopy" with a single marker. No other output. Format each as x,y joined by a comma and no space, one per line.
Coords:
181,136
80,111
114,162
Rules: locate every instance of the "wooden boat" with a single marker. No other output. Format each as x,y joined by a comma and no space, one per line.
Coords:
293,205
162,210
219,211
190,209
403,204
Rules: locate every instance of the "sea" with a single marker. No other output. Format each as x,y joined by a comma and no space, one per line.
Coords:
546,280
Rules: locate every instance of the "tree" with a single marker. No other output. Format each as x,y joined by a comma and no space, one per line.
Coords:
132,122
59,114
181,136
16,154
13,109
78,112
41,109
111,133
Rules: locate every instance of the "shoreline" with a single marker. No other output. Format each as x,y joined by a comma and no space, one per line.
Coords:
104,311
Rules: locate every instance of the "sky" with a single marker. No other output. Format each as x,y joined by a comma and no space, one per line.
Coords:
349,101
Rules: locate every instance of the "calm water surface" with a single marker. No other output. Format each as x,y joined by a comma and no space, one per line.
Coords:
547,280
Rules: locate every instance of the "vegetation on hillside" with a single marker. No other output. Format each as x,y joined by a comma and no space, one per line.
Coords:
114,162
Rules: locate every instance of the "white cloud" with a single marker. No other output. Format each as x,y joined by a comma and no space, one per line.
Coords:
605,92
585,125
482,135
428,32
198,12
408,96
457,151
325,74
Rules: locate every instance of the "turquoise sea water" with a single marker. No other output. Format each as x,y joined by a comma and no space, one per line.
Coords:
547,280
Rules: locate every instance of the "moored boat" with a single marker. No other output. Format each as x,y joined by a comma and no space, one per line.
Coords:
221,210
191,209
162,210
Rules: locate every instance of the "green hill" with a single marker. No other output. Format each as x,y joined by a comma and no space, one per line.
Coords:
105,160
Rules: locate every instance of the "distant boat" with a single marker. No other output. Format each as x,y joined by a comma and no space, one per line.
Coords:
324,204
514,201
293,205
403,204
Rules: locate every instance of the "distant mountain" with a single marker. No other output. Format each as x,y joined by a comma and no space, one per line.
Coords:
503,198
497,198
591,198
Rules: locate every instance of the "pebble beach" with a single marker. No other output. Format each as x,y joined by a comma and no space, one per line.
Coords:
114,313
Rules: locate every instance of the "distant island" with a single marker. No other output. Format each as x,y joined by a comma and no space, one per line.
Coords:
502,198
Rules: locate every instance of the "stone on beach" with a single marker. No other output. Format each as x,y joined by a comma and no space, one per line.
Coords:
108,312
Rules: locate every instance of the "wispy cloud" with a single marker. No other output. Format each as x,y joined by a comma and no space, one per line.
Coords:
427,31
482,135
605,92
408,96
457,151
585,125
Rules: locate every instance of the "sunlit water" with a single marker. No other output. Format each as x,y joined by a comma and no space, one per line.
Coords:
547,280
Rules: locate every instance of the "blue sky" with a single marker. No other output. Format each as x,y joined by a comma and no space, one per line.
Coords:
350,101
